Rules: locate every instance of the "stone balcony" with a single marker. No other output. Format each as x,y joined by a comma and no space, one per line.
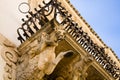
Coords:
77,38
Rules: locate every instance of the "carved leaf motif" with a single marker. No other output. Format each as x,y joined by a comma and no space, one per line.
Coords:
10,56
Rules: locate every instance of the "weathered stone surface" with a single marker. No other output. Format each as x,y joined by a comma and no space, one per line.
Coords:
8,57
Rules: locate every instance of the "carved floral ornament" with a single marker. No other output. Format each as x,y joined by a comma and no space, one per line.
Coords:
10,55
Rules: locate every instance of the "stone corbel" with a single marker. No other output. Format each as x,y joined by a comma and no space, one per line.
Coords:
81,67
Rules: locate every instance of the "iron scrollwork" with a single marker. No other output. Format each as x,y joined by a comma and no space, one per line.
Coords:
40,18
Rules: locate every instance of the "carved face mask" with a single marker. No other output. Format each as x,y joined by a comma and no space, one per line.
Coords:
60,35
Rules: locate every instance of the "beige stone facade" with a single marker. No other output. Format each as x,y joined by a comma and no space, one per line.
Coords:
58,44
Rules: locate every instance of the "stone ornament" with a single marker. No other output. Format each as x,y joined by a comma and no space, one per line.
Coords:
44,59
10,55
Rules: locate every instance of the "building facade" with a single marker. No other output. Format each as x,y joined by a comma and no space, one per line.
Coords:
57,44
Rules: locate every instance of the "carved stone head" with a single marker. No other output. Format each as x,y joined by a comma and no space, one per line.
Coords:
60,33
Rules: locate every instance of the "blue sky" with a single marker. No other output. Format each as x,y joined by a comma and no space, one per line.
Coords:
104,18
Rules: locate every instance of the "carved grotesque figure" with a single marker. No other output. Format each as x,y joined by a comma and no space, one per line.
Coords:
47,56
44,60
81,66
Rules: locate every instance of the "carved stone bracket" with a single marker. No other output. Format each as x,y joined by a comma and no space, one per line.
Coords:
75,69
81,67
33,64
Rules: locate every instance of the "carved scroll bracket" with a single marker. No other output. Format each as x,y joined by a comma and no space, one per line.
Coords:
10,55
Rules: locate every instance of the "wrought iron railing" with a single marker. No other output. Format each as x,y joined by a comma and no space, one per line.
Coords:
54,7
